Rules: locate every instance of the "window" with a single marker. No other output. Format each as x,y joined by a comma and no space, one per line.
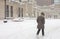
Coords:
57,1
7,11
34,13
22,12
55,16
11,9
19,0
37,14
11,0
28,0
19,12
49,16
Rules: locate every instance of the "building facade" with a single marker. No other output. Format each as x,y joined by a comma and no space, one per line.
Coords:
51,11
44,2
49,7
10,9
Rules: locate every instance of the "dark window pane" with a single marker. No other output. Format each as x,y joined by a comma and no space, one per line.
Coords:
11,11
19,12
22,11
28,0
20,0
7,11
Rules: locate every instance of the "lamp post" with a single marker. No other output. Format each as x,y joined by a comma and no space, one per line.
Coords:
5,21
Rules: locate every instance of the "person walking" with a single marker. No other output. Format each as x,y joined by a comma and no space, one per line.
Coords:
41,22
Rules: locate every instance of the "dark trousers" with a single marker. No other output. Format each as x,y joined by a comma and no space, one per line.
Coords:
39,31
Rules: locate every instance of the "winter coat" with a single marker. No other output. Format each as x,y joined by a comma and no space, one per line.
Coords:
40,22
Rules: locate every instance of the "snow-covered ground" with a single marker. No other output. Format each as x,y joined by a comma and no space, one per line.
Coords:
27,29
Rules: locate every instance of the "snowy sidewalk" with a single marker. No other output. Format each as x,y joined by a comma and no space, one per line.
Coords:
27,30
